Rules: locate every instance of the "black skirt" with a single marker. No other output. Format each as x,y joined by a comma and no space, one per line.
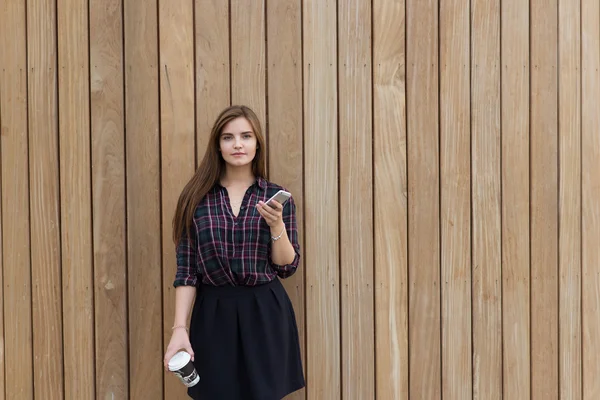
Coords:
245,342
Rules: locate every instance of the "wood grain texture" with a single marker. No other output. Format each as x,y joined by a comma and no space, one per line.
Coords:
16,257
356,199
248,62
108,182
515,199
284,52
212,67
423,199
590,168
390,193
569,201
321,200
176,36
44,200
76,202
455,212
144,265
486,200
544,199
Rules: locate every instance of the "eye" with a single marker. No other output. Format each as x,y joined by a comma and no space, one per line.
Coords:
226,137
247,136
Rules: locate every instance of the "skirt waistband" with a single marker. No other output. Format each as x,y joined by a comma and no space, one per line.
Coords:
241,290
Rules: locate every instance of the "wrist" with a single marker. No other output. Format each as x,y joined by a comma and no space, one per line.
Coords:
278,234
179,327
276,229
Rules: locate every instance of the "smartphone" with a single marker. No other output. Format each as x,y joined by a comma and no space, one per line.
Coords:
282,196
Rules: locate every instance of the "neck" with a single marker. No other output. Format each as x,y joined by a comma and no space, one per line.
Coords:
238,176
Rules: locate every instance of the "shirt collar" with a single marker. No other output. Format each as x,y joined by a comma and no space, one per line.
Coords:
262,183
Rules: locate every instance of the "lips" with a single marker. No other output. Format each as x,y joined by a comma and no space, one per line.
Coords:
238,154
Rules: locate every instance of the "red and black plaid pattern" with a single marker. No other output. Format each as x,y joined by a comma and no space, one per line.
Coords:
226,250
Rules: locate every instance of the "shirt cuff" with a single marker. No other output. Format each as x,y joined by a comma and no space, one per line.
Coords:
285,271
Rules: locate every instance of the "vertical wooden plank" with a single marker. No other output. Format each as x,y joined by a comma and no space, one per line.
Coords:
455,175
544,198
75,191
356,199
15,202
212,67
143,200
284,52
108,179
176,23
248,56
321,200
44,199
390,193
590,168
569,252
515,199
423,198
486,198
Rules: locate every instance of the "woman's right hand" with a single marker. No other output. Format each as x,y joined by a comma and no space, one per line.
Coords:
179,340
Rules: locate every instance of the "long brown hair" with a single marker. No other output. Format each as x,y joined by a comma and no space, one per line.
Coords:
212,168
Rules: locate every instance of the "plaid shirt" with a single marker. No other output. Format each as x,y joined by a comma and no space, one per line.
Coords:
228,250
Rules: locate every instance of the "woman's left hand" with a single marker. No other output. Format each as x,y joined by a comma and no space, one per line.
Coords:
273,216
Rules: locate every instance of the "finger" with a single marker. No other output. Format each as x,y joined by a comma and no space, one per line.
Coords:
169,353
261,211
275,204
265,212
275,212
188,348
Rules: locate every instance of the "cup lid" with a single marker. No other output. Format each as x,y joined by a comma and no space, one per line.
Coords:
179,360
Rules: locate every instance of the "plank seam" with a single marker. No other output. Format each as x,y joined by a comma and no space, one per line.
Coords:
91,205
194,75
303,112
29,194
59,189
339,214
127,389
160,188
501,187
230,59
558,187
471,218
439,222
373,213
581,195
408,197
3,344
529,206
266,99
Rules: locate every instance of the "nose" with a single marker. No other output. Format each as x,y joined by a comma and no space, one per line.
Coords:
237,144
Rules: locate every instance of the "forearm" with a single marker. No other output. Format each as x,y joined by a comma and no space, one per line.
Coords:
282,251
184,297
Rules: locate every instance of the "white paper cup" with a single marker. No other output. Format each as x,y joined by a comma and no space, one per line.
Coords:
181,365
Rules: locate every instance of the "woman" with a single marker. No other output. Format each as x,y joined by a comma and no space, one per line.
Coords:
231,251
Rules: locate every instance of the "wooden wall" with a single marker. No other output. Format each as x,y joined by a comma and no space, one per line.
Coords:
445,156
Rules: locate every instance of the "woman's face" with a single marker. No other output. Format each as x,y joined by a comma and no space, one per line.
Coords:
238,143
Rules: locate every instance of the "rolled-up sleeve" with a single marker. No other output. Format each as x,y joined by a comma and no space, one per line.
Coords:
291,227
187,260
